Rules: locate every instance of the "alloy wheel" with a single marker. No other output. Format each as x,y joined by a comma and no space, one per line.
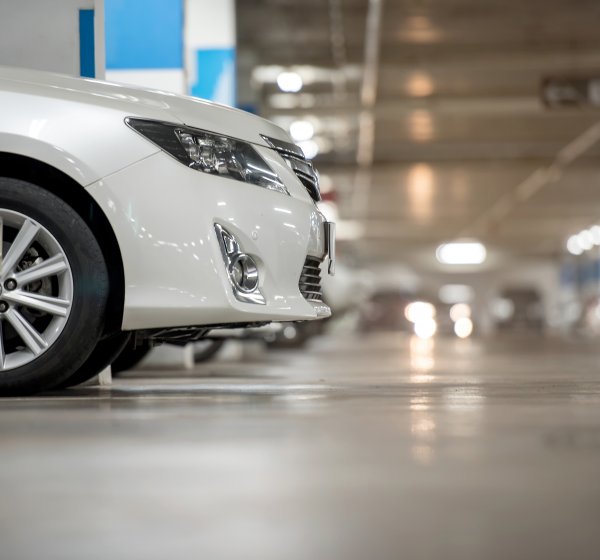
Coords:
36,289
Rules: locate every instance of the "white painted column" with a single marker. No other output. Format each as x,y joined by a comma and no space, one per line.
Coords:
210,39
100,48
42,35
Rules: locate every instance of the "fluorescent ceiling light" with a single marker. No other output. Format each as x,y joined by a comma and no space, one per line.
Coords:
461,252
310,148
586,240
290,82
302,130
419,84
573,245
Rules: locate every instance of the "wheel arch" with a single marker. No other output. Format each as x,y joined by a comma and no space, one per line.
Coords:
70,191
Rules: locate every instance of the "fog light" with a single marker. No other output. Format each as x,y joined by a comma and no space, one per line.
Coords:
236,271
244,273
242,269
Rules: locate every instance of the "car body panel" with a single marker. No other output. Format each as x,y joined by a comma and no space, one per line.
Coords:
142,102
162,212
84,141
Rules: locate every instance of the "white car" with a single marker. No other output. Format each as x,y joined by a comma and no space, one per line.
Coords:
127,210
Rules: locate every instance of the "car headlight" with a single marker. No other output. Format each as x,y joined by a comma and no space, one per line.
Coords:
209,152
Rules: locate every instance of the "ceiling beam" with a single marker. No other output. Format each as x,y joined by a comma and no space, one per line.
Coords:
492,218
368,90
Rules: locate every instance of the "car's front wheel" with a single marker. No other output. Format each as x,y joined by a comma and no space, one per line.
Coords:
131,355
104,355
53,289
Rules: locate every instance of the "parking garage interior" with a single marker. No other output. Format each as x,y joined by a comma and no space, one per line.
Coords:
450,407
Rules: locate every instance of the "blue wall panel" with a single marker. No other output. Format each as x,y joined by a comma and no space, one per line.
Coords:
216,75
144,34
87,64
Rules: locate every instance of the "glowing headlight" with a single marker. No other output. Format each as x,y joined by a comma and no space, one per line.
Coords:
210,153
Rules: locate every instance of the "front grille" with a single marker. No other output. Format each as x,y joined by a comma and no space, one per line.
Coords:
310,280
304,170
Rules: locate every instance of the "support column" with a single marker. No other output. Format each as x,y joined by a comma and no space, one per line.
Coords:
144,43
210,53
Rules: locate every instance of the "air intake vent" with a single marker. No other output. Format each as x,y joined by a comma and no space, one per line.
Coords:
310,280
304,170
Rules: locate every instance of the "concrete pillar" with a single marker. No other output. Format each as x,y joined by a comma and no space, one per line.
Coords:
182,46
210,38
54,36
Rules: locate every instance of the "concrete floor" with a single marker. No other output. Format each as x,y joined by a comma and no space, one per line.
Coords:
369,448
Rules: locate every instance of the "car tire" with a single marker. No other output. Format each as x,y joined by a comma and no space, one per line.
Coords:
53,289
105,353
131,355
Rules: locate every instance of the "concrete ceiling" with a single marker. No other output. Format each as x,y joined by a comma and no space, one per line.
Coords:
462,144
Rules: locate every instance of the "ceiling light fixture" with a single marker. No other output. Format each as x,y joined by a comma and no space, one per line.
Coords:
573,245
290,82
302,130
310,148
586,240
461,253
419,84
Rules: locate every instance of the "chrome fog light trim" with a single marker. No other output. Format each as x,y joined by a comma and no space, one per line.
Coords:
242,270
330,242
244,273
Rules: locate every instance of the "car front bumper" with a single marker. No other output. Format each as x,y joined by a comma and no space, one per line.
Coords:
164,216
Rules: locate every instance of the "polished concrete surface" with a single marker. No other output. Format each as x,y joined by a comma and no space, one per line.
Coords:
355,448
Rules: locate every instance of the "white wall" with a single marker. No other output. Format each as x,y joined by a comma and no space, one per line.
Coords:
44,34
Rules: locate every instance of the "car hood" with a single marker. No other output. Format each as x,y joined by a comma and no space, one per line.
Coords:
144,102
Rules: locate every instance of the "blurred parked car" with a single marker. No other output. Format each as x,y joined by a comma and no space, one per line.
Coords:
519,308
385,311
